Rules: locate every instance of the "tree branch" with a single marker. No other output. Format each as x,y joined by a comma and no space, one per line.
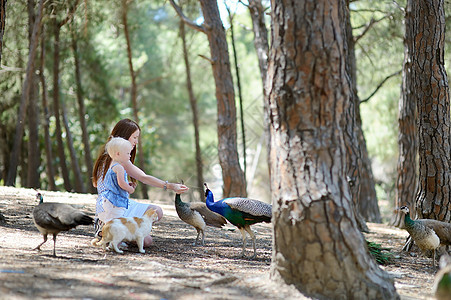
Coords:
70,14
380,85
185,19
368,27
206,58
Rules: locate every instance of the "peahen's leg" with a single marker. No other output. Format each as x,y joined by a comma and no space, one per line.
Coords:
197,238
243,233
54,244
248,229
38,247
203,238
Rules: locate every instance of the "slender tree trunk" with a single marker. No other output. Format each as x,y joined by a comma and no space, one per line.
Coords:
79,186
2,24
361,175
193,103
232,175
56,108
257,12
134,92
314,226
33,180
17,146
353,160
240,96
47,142
407,136
82,113
432,97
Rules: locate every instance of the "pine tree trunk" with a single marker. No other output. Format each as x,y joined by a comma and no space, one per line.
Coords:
193,103
240,96
79,185
56,108
261,45
17,146
360,173
430,82
134,93
314,226
33,180
407,135
2,24
232,175
82,113
50,171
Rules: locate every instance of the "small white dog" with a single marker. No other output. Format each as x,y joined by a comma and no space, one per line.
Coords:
126,229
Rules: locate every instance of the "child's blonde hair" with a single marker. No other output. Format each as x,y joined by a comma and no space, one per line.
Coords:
117,144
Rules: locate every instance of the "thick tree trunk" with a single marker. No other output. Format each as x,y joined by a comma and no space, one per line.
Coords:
193,103
82,113
134,92
432,96
47,141
56,108
407,135
232,175
314,225
33,180
2,24
17,146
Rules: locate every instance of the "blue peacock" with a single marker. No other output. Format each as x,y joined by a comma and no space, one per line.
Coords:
241,212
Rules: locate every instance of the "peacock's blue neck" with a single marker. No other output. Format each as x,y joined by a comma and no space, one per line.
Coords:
407,220
210,200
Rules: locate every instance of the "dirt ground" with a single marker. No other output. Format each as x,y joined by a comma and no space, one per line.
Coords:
172,268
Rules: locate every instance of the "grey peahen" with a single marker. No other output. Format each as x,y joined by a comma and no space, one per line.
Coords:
198,215
428,234
442,282
52,218
241,212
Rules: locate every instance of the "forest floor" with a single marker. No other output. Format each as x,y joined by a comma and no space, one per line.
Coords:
172,268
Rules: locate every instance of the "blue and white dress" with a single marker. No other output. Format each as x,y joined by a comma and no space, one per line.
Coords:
133,208
113,192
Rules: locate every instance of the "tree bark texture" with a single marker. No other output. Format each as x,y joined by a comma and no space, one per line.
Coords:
232,175
432,96
2,24
195,111
314,226
17,146
82,112
406,179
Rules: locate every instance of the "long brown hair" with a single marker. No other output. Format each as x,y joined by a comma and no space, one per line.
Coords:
124,129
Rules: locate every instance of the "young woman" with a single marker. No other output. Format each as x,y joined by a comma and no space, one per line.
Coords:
129,130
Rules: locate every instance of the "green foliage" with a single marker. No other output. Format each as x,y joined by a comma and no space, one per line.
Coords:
380,254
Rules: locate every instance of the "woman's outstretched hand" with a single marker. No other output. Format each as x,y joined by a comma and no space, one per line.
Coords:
178,188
